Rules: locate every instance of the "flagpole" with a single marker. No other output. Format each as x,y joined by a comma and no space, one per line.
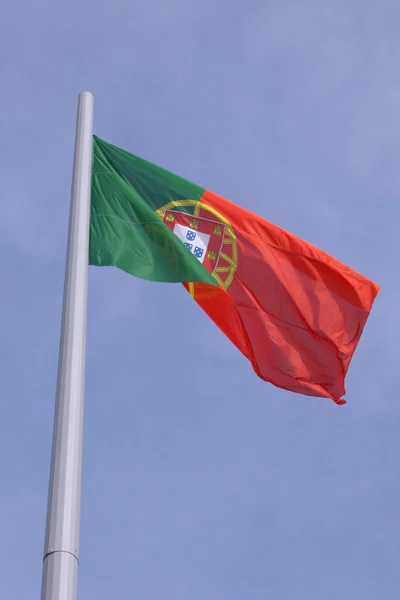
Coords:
60,563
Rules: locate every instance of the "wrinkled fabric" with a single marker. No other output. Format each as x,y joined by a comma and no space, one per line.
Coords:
294,311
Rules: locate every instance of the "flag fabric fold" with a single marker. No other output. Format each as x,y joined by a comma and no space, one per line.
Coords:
294,311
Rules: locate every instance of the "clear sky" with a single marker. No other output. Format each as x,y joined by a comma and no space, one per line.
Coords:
201,481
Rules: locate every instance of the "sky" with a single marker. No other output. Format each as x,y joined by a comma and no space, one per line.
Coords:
201,481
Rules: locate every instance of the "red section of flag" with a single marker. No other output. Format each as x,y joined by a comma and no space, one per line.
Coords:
294,311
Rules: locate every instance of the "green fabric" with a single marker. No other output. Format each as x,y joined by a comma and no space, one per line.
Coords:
124,231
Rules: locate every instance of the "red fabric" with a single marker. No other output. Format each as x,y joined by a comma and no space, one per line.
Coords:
294,311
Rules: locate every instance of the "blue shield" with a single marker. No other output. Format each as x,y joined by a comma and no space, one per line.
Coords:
191,235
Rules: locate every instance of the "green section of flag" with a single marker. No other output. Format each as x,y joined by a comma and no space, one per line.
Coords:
124,230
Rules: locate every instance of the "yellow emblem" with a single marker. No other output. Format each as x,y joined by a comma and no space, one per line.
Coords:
224,274
218,230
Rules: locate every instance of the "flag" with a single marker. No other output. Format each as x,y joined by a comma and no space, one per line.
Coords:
294,311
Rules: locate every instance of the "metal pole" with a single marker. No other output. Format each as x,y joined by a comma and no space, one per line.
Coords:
60,563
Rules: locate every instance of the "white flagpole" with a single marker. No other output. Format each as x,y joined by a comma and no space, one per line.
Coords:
60,563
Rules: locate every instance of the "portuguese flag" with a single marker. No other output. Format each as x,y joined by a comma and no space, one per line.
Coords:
294,311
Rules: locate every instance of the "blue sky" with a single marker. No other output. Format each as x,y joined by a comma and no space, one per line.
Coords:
201,481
